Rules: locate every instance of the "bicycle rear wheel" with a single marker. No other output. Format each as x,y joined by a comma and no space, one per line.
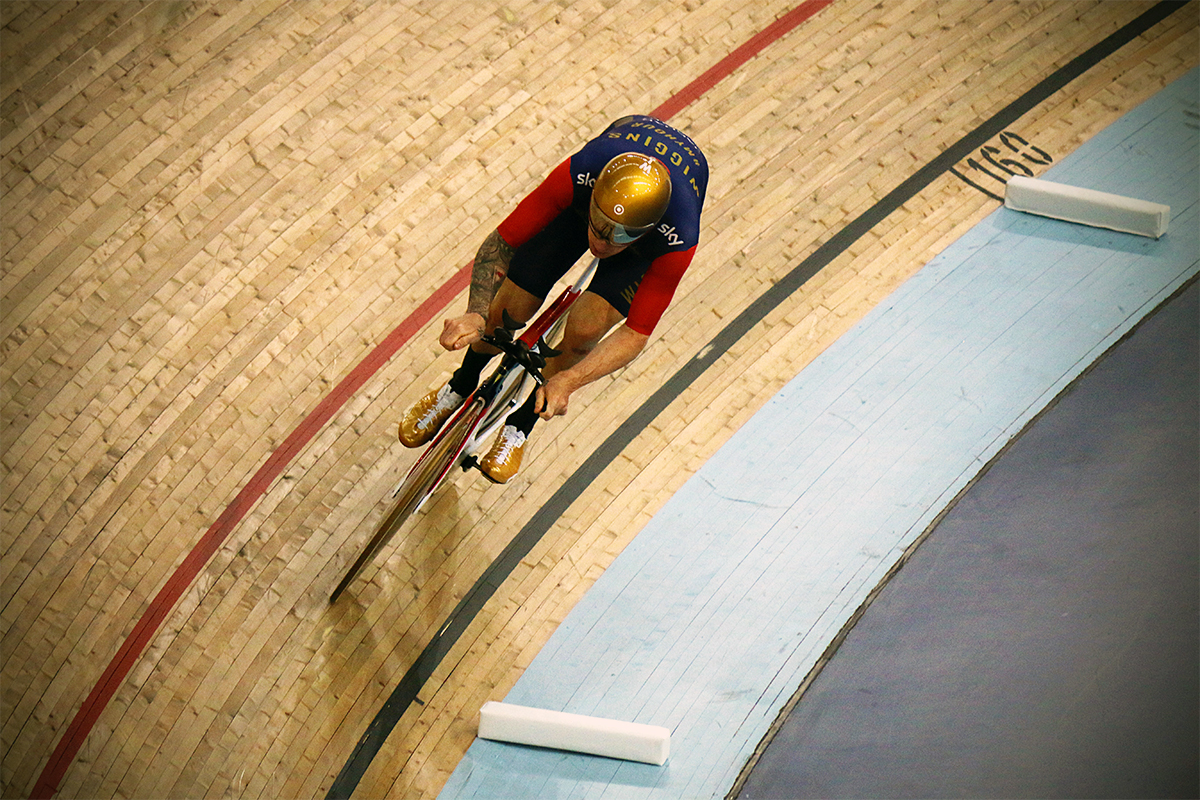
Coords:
424,478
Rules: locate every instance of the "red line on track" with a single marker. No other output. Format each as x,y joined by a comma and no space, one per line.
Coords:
753,46
162,604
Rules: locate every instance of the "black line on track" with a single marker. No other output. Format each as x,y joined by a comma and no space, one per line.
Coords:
405,693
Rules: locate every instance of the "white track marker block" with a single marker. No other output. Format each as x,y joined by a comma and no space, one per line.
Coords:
504,722
1086,206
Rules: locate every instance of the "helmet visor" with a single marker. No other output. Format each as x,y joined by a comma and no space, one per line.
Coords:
612,231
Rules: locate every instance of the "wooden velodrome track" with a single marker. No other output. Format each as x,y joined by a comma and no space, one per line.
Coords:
215,213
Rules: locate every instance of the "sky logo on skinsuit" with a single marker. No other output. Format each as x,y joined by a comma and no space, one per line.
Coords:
668,232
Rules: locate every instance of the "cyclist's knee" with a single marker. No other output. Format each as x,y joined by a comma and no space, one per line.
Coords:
520,305
583,333
590,320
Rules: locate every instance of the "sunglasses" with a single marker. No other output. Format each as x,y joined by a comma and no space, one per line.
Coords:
612,231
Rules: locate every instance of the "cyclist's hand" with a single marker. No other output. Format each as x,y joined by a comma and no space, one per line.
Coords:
552,398
459,332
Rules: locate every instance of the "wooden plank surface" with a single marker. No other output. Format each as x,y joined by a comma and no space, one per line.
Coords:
212,212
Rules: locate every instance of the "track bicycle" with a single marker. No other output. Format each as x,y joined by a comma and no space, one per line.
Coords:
478,420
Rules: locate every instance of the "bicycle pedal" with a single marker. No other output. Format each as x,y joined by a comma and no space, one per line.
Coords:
469,463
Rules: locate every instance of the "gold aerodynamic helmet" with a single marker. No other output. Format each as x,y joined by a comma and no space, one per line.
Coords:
629,198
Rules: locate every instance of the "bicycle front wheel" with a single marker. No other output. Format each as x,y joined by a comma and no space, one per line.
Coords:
424,478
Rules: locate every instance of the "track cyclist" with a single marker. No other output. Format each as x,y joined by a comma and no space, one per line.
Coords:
632,196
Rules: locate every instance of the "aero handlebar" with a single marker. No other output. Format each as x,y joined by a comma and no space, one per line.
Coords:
531,358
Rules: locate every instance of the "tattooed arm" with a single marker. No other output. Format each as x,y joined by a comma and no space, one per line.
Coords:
491,265
487,273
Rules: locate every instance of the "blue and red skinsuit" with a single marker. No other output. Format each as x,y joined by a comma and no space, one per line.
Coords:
548,229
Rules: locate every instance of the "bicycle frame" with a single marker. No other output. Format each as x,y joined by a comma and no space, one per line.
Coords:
500,384
476,421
